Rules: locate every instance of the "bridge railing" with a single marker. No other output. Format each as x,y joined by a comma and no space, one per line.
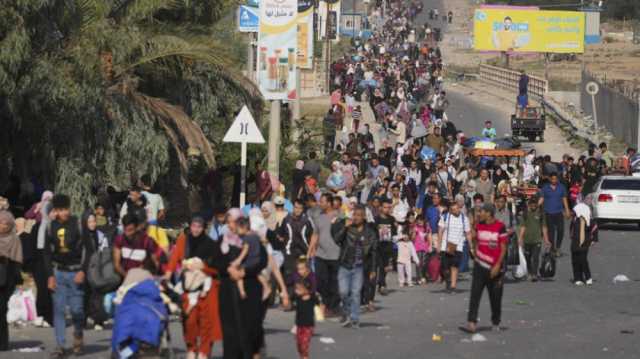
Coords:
509,80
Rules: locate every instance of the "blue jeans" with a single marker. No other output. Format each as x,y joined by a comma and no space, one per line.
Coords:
350,285
67,293
464,264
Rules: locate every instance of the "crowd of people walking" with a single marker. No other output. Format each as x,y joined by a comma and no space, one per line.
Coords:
400,196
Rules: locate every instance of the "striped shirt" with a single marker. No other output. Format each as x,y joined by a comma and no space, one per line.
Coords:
356,114
455,230
490,237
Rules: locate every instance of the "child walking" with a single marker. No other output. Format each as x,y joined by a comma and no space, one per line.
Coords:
406,253
422,242
305,318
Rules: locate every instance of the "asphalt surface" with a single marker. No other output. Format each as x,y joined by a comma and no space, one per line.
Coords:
542,320
551,319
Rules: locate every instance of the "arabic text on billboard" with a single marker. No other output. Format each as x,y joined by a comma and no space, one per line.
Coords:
277,49
529,31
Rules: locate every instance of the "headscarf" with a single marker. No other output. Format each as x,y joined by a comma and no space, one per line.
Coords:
10,245
582,210
271,221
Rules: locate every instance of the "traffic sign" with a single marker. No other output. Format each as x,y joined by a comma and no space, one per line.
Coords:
592,88
248,19
244,129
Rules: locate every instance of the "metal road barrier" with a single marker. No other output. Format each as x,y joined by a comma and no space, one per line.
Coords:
509,80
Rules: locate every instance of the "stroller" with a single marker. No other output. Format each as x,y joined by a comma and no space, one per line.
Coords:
141,323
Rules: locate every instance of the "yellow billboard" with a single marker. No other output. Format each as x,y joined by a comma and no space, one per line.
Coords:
528,31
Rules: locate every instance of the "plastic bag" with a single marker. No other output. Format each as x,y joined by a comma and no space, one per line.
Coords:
428,153
17,310
520,270
548,266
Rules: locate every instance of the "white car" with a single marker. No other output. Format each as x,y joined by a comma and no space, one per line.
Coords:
617,199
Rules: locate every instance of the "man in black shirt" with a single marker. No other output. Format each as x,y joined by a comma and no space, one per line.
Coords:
297,231
386,230
66,257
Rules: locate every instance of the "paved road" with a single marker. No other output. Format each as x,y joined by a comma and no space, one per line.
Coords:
543,320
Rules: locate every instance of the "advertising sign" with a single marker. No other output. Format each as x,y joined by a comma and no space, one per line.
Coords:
248,19
529,31
277,49
305,34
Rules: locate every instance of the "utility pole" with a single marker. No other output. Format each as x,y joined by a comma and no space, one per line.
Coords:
327,48
250,58
274,140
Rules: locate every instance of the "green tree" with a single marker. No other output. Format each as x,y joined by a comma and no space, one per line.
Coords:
93,92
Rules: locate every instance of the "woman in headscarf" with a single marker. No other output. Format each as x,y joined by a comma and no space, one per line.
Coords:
240,318
10,262
93,300
298,177
39,210
271,228
201,322
584,232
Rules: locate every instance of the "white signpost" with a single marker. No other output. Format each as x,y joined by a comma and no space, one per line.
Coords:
243,130
592,89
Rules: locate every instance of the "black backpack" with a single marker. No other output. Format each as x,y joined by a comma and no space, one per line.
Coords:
548,266
101,274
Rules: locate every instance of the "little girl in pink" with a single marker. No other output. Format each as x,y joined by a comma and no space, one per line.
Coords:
422,242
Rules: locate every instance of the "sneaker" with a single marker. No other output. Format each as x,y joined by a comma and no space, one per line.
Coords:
355,325
345,321
382,290
58,353
589,281
98,328
77,345
410,284
294,330
579,283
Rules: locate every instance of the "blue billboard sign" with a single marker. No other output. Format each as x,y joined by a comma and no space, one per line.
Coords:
248,19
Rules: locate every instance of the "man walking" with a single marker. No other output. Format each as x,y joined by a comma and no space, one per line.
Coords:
66,258
533,231
453,230
386,231
326,253
489,249
357,243
553,198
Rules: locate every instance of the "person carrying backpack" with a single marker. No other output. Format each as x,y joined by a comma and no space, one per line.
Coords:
584,232
453,230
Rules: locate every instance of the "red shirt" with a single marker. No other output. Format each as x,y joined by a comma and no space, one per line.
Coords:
489,240
133,252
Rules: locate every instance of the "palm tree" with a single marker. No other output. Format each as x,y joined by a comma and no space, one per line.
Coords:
95,91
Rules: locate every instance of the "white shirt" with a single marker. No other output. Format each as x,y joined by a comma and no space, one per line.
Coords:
455,230
154,205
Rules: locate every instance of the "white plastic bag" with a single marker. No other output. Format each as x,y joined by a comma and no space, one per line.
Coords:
520,270
17,311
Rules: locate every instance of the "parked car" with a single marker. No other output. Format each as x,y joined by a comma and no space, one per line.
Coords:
617,199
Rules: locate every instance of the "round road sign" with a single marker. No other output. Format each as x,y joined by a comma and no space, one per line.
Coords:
592,88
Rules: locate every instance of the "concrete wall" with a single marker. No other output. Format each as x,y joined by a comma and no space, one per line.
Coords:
618,113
